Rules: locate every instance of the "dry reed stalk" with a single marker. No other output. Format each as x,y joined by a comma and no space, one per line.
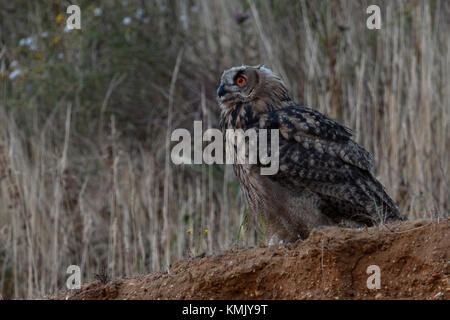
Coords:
166,236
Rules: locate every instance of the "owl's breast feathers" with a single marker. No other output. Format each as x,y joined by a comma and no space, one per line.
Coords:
317,153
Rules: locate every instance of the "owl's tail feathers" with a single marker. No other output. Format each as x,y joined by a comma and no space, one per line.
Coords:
379,205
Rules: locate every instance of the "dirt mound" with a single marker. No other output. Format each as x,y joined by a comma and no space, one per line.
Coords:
413,258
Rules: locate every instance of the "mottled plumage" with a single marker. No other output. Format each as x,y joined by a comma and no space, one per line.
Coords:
324,178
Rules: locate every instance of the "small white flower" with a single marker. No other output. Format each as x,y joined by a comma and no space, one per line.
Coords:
68,28
139,13
13,64
44,34
126,21
60,56
26,42
183,18
98,12
14,74
29,41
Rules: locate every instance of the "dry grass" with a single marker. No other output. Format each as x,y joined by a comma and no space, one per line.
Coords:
84,173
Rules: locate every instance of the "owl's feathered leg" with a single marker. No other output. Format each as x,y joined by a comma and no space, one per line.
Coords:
297,216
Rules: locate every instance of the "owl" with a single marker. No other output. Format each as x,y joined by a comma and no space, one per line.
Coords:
325,178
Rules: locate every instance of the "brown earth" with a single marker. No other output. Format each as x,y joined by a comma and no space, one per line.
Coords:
331,264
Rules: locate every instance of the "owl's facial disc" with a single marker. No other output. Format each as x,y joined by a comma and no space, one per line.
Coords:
236,85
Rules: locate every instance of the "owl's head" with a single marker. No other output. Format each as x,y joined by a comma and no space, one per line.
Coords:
248,83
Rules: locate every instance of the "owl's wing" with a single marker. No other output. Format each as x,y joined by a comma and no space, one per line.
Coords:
314,130
318,153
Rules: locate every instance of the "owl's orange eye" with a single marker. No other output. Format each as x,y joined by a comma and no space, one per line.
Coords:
240,81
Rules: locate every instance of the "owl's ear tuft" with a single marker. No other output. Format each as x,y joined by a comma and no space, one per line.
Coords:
254,76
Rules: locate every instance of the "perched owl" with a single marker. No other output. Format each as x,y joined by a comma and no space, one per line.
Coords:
324,177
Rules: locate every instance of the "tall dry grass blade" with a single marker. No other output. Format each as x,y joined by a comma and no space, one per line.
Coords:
166,228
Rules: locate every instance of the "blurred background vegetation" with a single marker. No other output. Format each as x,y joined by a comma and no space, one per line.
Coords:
85,115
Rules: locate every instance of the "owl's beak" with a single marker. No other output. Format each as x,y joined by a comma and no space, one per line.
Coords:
221,91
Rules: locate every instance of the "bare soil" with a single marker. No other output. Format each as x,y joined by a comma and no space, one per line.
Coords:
331,264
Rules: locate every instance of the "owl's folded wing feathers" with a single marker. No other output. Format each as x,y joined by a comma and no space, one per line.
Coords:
318,153
313,129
